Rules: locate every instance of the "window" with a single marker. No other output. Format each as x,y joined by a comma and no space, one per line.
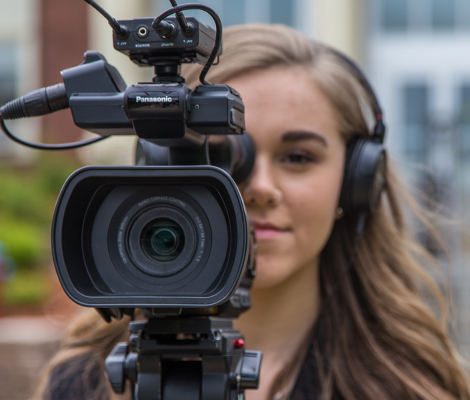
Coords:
8,86
443,14
463,136
461,173
415,117
463,14
235,12
8,77
423,15
394,15
282,12
464,95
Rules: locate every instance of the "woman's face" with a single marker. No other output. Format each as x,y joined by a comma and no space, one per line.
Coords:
293,192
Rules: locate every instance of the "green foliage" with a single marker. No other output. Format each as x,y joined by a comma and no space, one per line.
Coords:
52,173
26,289
24,241
22,198
27,199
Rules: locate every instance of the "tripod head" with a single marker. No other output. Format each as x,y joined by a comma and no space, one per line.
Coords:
184,358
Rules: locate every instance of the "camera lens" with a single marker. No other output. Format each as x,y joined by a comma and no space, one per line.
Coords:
162,240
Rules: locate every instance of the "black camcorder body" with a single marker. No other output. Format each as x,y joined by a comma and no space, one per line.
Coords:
172,232
169,235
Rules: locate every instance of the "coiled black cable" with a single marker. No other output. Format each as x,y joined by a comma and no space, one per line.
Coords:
39,146
218,32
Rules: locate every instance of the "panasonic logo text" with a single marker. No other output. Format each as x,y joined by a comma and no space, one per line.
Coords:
165,99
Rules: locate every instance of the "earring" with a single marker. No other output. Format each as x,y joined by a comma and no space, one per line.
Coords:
339,212
277,198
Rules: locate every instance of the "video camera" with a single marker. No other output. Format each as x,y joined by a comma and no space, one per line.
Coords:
169,235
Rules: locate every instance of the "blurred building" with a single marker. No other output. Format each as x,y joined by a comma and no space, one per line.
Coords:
418,59
416,53
36,39
19,69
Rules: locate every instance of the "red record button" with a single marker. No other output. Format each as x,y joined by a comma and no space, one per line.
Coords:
239,343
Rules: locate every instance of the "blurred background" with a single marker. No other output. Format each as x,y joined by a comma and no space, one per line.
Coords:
415,52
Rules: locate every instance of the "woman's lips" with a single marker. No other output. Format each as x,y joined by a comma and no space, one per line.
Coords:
267,231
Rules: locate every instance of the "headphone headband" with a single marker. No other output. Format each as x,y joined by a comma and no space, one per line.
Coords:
365,165
379,129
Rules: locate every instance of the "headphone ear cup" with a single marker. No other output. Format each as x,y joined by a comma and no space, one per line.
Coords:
364,176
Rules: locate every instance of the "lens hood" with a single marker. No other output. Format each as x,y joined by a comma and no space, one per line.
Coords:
150,237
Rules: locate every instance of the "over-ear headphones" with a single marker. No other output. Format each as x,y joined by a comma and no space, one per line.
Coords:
366,161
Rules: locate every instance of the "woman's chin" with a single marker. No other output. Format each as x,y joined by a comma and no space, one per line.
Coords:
269,273
275,269
265,283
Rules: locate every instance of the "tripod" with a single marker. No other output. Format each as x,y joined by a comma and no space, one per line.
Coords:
184,358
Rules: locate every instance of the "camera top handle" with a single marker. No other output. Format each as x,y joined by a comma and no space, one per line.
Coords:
144,48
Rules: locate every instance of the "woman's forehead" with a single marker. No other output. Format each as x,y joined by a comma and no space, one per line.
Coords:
282,99
284,86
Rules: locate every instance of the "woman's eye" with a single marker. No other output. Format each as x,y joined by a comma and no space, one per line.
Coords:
298,158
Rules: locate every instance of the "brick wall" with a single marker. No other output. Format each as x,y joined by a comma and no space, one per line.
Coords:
64,31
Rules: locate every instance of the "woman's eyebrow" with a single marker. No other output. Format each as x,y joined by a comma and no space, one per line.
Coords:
294,136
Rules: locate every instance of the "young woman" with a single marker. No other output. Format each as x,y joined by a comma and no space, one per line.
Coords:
334,319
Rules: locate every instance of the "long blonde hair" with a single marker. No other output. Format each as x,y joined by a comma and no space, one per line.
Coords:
381,339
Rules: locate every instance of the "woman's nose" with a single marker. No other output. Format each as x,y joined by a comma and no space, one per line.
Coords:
261,188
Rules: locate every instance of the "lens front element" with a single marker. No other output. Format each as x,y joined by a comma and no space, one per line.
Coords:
162,240
160,235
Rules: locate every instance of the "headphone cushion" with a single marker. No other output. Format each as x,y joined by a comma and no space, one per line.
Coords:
364,176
